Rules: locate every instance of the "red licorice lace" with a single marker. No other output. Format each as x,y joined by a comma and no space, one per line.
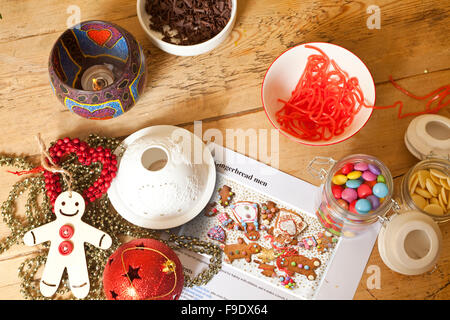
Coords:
326,100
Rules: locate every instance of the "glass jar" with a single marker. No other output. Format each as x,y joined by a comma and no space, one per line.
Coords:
441,165
331,214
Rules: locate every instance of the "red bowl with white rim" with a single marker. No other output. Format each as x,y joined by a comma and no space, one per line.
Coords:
284,73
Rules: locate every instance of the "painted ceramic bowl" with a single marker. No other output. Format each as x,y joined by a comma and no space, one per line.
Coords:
97,70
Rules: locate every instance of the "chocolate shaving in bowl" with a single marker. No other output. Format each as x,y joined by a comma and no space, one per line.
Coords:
188,22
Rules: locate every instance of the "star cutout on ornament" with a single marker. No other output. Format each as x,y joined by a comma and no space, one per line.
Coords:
140,245
114,295
133,273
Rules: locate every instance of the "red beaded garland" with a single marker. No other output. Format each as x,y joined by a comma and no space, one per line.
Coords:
87,156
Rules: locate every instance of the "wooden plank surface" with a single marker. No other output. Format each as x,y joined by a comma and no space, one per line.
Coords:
222,88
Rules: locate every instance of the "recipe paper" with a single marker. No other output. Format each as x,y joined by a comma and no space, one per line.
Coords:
342,267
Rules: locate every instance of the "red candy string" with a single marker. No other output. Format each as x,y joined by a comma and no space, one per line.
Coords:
87,156
324,102
440,95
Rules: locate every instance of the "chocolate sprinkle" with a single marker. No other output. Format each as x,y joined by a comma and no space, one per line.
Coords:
188,22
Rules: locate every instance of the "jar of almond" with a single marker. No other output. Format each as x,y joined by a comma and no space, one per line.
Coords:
426,186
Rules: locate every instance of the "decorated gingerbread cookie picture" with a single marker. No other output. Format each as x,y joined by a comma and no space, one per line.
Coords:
268,270
325,241
225,196
67,235
210,210
288,225
241,250
295,263
225,220
217,233
269,210
246,215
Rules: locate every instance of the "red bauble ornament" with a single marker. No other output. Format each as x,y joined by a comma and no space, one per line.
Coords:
143,269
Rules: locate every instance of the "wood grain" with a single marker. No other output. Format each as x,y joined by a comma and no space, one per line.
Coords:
222,88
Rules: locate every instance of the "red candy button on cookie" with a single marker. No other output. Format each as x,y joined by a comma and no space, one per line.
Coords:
65,248
66,231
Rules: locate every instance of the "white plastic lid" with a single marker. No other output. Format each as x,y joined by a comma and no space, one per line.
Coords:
166,176
410,243
428,136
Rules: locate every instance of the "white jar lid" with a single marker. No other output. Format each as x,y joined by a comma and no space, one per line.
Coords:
165,177
410,243
428,136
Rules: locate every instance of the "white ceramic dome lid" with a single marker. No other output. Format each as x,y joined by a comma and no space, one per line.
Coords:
170,193
428,136
410,243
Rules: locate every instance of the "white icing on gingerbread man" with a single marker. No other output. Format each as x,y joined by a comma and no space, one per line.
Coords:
67,235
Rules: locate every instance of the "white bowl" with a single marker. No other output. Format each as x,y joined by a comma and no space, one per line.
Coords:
283,75
179,50
160,182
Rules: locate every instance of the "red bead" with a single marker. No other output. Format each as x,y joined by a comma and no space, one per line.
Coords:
66,140
76,141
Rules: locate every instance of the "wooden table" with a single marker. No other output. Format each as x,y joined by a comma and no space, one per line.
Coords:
222,89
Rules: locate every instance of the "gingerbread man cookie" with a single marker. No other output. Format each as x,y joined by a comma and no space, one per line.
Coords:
241,250
246,215
225,196
325,241
295,263
269,211
268,270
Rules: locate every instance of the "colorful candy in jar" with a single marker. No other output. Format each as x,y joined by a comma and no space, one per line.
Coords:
359,187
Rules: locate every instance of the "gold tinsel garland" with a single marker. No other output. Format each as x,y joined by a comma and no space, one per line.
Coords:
99,214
